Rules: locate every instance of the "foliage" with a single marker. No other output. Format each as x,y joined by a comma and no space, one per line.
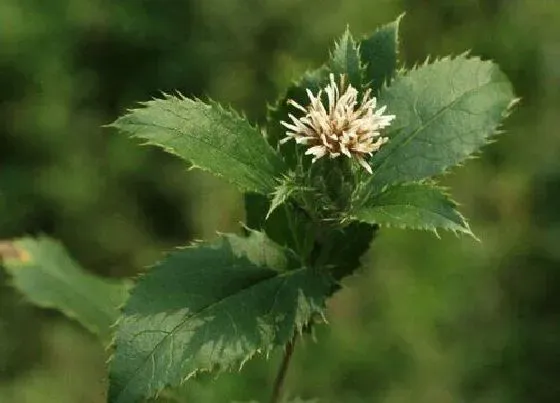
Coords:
214,306
208,307
42,270
489,193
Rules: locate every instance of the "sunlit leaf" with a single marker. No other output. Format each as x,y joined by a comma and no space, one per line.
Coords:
209,307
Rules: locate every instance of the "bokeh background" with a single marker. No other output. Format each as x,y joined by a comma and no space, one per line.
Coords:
428,320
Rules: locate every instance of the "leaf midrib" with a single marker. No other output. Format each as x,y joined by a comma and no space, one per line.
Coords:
252,167
423,127
201,311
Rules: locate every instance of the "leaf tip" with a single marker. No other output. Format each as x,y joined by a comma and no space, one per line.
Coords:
10,251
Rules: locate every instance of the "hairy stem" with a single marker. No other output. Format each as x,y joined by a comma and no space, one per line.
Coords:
281,376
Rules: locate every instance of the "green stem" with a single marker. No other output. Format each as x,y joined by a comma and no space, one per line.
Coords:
278,389
293,231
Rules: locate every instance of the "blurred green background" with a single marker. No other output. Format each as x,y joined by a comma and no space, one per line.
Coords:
428,321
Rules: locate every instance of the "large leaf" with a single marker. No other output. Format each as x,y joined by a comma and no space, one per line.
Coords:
207,307
444,112
209,136
44,272
345,59
379,54
417,206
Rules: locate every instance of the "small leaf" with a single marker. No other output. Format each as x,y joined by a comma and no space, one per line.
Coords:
288,187
208,307
212,138
416,206
444,111
43,271
379,54
345,59
281,194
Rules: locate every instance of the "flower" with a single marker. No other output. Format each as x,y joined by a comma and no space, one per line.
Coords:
346,126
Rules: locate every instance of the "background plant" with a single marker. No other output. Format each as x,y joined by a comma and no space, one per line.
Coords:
500,200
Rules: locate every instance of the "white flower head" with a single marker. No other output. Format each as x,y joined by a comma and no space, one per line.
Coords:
346,126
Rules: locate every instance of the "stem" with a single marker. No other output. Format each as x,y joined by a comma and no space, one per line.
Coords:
281,376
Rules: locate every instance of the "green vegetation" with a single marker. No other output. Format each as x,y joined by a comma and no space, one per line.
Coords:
429,321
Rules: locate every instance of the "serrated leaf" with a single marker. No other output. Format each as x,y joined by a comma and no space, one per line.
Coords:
43,271
444,111
211,137
281,194
416,206
379,53
345,59
207,307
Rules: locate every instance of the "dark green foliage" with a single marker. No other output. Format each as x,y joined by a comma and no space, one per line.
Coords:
474,322
345,60
380,55
210,306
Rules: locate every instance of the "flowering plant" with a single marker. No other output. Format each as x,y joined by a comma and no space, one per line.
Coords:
368,139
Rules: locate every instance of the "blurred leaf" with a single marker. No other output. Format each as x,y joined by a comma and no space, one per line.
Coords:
209,136
416,206
379,54
208,307
444,111
44,272
345,59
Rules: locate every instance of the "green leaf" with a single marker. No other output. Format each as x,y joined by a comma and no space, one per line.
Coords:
43,272
208,307
416,206
444,112
212,138
261,250
345,59
347,246
289,225
281,194
379,53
